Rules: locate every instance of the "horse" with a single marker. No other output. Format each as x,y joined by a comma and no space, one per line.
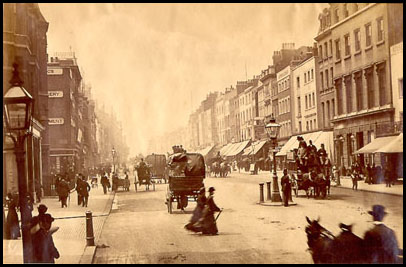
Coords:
326,248
215,169
303,182
321,184
224,169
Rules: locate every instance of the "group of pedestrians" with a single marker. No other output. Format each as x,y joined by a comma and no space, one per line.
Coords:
63,190
203,216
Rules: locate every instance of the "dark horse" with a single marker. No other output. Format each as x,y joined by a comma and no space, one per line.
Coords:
302,182
326,248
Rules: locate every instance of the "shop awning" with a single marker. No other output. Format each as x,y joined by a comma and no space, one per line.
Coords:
377,144
317,138
256,147
225,149
205,151
396,146
238,148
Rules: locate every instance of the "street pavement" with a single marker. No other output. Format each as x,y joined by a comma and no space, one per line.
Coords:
70,239
141,230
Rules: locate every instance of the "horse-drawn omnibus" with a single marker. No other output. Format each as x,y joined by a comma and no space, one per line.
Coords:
186,172
157,164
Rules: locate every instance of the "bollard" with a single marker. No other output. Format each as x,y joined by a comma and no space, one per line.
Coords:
89,229
261,192
268,191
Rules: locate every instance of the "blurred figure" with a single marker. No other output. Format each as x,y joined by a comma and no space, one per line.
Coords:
207,224
198,212
44,250
12,225
380,243
63,192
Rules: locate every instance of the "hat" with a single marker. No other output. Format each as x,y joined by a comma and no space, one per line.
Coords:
211,189
48,218
378,211
345,227
42,208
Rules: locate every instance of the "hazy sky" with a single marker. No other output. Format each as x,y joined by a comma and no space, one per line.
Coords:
155,63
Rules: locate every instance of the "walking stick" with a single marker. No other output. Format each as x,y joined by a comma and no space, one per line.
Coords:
218,215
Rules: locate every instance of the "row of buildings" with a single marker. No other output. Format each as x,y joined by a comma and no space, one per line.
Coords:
345,90
70,134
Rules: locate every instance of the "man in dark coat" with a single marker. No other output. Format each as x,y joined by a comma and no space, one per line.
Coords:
79,189
286,187
85,192
44,250
380,243
63,192
104,181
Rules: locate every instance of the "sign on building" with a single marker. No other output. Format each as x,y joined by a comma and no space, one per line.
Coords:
55,94
54,71
55,121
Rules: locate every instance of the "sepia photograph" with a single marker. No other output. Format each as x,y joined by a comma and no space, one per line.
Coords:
203,133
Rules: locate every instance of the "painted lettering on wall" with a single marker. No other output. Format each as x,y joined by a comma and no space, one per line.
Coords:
55,121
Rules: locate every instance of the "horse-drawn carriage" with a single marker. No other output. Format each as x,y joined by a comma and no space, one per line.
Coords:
310,173
144,177
157,163
124,183
186,174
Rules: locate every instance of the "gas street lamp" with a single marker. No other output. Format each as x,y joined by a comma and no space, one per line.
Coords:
113,152
272,129
17,111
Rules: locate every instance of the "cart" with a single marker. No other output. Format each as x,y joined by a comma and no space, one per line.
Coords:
144,178
186,172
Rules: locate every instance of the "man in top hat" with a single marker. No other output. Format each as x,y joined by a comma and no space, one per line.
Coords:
380,243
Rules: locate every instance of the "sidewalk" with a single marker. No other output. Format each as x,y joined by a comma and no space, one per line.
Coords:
70,239
346,183
396,189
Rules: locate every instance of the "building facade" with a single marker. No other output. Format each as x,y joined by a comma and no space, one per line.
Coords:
305,115
360,36
25,43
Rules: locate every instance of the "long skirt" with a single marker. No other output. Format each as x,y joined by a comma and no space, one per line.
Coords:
197,214
13,228
207,224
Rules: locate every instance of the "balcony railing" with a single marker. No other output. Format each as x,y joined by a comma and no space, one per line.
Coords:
389,128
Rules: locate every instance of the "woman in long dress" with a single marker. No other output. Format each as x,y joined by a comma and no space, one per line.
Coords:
198,212
207,224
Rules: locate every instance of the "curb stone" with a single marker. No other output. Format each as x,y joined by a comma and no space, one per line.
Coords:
90,251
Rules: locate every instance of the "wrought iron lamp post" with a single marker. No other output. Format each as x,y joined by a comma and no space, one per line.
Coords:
17,111
272,129
113,151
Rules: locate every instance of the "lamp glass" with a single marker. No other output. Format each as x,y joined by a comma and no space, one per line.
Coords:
17,108
272,129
